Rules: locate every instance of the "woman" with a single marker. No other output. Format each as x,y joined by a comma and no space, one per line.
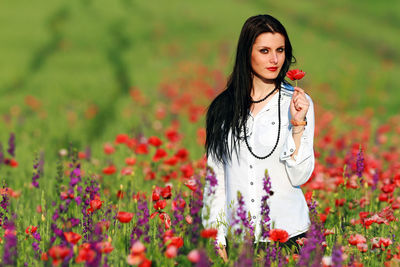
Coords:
260,122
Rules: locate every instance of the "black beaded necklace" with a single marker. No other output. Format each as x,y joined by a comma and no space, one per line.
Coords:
279,130
261,100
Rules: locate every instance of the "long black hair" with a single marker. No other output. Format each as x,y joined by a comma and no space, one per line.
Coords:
229,110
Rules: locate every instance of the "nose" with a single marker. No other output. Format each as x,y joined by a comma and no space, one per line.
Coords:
273,58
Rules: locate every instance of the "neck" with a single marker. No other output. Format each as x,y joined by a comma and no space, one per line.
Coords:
261,87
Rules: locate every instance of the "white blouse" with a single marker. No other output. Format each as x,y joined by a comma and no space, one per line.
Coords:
245,173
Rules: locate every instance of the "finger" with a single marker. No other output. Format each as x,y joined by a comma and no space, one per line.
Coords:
299,89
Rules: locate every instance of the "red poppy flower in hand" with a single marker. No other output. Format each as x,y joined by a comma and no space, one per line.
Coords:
295,74
278,235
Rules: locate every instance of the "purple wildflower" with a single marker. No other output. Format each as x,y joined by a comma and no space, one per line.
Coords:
312,251
4,204
246,255
37,170
265,220
195,205
203,262
11,145
212,179
242,217
336,256
10,253
360,164
177,220
142,226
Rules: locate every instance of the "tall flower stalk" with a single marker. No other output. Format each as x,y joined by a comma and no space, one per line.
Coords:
242,218
10,253
360,165
312,252
11,145
265,219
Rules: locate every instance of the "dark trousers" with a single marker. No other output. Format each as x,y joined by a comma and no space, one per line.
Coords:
288,244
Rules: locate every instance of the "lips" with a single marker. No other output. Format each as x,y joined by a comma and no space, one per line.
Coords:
272,68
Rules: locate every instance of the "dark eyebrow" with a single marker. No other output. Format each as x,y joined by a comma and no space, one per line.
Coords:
262,46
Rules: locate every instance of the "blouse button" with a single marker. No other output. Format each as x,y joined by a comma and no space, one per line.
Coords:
251,183
251,166
273,123
252,200
254,217
291,150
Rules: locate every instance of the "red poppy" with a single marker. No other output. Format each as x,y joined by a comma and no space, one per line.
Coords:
13,163
180,203
295,74
72,237
124,217
172,135
130,161
171,161
340,202
209,233
357,239
120,194
191,184
182,154
194,256
156,194
30,229
167,220
95,204
121,138
160,204
138,248
142,149
81,155
160,153
105,247
103,225
166,192
127,171
171,252
155,141
175,241
278,235
44,256
85,254
189,219
108,148
187,170
109,170
58,253
322,217
131,143
388,188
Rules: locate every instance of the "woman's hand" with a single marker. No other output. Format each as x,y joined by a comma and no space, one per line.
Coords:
299,104
222,254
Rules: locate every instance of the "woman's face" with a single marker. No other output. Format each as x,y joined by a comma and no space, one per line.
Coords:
268,55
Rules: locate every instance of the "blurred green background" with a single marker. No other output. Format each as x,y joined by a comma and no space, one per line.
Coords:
62,60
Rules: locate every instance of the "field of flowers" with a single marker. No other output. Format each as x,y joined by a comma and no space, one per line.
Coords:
102,132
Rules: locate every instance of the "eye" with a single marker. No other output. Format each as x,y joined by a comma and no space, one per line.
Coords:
264,51
281,49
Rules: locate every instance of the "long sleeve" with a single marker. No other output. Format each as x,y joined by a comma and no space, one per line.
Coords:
214,205
300,169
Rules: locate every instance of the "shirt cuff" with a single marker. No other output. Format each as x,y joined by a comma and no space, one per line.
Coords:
289,147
